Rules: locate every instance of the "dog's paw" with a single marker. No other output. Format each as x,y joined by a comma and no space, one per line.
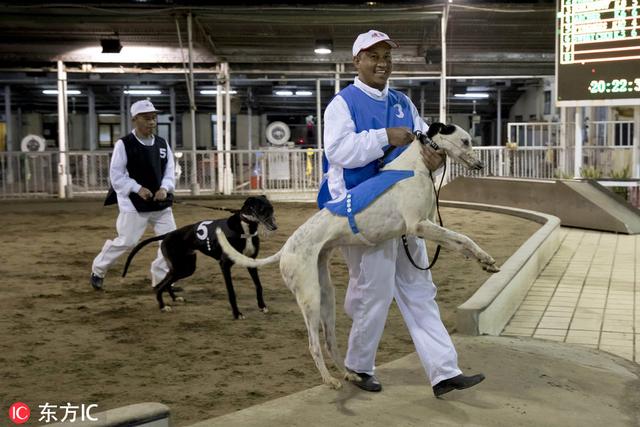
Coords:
351,376
491,268
264,310
334,383
240,316
180,299
166,309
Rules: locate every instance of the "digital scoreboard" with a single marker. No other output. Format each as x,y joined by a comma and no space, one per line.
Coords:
598,52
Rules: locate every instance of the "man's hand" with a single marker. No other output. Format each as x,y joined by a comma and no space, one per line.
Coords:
145,193
399,136
161,195
432,159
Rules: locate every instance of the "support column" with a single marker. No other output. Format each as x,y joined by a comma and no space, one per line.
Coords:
123,114
422,102
499,117
577,166
174,118
92,134
562,157
62,131
195,188
636,142
228,174
443,80
250,121
336,80
219,129
319,135
9,132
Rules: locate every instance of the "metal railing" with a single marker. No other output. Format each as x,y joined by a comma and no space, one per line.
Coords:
286,170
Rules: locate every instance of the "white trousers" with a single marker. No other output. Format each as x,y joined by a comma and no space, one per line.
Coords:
378,275
130,227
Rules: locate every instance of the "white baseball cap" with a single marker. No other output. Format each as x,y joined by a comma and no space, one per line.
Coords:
144,106
368,39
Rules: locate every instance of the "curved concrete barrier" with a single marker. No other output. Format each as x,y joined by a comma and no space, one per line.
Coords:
494,303
148,414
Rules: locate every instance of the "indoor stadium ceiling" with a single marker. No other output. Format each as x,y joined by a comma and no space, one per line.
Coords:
269,40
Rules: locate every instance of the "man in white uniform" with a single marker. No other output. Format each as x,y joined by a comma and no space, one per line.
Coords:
362,120
142,180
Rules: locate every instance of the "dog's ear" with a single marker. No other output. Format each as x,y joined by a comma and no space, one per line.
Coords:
440,128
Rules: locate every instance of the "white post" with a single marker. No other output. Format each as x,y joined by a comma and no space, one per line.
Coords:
578,143
336,79
219,130
443,72
174,119
123,116
636,142
562,156
195,188
9,132
62,130
318,115
92,119
250,121
499,118
228,174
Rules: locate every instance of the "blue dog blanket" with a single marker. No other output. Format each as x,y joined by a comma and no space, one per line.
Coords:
363,194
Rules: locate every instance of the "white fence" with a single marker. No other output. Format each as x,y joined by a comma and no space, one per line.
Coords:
275,170
534,152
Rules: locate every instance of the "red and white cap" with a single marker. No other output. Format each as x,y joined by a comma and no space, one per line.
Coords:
368,39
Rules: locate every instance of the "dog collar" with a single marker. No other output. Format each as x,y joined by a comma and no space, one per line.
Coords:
247,236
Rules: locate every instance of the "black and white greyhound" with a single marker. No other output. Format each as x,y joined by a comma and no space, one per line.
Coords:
240,229
406,208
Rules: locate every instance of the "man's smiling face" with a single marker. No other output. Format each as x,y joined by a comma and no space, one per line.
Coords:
374,65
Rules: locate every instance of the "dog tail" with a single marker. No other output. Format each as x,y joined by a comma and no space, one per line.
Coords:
241,259
137,248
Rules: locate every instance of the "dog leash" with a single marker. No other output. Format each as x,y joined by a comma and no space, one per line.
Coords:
433,145
205,207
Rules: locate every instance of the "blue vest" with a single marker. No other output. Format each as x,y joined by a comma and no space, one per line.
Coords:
368,114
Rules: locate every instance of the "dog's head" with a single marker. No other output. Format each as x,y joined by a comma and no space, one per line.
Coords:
259,209
456,142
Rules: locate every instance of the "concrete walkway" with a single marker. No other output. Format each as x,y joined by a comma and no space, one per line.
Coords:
529,383
588,294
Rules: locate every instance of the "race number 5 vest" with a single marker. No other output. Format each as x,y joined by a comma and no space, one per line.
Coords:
368,114
146,164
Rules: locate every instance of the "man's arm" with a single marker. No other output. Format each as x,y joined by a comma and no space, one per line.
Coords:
168,183
348,149
118,174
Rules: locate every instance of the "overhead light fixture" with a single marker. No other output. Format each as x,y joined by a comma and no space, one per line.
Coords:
323,47
142,92
55,92
474,95
304,93
284,93
111,45
215,92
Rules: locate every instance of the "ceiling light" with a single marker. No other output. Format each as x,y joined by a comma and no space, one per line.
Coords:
323,47
143,92
111,45
304,93
284,93
475,95
215,92
55,92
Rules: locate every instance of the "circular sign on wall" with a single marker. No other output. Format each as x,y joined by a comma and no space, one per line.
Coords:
32,143
278,133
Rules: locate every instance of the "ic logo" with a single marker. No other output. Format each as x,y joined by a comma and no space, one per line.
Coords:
19,413
399,112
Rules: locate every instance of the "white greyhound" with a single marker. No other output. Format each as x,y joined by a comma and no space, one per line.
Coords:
407,208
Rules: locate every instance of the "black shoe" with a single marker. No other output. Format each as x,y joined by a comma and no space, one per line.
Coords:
367,382
456,383
96,282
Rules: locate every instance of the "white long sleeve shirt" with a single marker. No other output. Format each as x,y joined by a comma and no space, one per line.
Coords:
124,185
345,148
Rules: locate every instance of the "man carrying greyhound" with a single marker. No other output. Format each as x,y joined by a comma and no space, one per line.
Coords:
142,183
361,122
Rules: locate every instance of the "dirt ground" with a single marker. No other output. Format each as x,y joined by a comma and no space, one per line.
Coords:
61,341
